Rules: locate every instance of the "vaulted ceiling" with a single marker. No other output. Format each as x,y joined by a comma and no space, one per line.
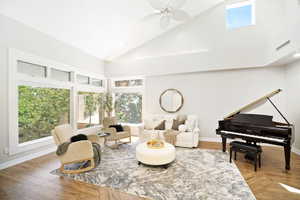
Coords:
101,28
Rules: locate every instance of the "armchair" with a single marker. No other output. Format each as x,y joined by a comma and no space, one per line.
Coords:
114,135
189,136
77,151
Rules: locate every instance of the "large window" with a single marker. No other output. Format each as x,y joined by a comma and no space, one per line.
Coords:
40,110
240,14
44,94
128,107
89,109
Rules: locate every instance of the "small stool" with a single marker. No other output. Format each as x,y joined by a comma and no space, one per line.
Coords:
250,149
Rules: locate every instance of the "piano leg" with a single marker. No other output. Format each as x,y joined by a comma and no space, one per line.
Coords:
287,152
224,143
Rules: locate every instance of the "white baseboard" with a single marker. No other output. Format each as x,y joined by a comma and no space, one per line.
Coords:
295,150
26,158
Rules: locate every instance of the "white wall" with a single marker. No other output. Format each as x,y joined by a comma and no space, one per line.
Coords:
293,97
226,49
18,36
286,23
213,95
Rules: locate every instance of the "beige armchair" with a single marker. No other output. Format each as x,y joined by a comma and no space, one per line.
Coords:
114,135
77,151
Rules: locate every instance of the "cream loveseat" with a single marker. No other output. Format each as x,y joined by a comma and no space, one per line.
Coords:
188,133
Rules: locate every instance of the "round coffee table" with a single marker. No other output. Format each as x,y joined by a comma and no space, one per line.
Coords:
155,157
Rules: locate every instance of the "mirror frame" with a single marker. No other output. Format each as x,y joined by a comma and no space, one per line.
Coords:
182,100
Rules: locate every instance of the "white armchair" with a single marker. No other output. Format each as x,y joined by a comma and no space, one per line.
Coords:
189,133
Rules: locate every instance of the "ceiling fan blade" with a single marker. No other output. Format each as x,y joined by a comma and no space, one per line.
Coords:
165,21
180,15
176,4
150,16
157,4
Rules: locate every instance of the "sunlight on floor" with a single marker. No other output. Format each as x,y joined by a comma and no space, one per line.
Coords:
290,189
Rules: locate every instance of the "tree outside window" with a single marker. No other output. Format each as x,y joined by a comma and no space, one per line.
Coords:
40,110
128,107
90,109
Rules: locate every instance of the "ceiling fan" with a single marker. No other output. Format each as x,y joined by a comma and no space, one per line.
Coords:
168,10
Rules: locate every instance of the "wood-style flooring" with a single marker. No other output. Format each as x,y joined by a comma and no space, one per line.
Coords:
32,181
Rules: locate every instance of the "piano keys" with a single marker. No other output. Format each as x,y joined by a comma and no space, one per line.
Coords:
255,128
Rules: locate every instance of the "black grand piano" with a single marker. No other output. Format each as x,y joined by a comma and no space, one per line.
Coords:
255,128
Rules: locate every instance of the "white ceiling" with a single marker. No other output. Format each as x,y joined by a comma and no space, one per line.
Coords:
101,28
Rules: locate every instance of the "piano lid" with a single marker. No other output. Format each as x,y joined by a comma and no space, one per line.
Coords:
258,103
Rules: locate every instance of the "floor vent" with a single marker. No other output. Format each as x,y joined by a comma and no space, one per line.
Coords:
283,45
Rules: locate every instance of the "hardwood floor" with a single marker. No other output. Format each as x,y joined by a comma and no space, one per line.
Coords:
32,180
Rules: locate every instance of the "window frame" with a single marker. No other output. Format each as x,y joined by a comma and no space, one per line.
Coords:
114,87
15,79
130,89
240,4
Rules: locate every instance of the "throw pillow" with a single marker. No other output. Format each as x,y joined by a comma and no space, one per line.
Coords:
182,128
169,124
118,127
161,126
190,125
177,123
78,137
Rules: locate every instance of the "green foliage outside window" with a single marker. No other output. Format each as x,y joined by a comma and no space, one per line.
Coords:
93,108
40,110
128,107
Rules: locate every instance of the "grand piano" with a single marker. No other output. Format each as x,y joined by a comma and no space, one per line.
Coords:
256,128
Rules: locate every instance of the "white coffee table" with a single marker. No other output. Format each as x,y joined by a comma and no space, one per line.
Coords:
155,157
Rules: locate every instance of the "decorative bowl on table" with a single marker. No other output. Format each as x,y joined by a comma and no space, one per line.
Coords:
155,144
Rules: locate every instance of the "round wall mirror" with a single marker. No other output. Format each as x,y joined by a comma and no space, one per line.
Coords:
171,100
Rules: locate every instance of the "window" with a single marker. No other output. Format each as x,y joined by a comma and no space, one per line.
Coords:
60,75
129,83
83,79
40,110
89,109
31,69
128,107
39,104
240,14
96,82
86,80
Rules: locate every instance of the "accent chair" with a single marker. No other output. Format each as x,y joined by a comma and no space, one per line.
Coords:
77,151
114,135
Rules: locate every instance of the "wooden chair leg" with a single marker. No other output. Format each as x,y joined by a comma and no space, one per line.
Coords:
230,156
235,155
259,160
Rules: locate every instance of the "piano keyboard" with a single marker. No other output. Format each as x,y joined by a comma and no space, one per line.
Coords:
254,136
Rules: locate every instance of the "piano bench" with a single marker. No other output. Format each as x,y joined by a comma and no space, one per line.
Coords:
247,148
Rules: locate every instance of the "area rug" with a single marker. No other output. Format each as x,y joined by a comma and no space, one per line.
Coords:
195,174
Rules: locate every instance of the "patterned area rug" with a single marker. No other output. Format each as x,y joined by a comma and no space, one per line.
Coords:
196,174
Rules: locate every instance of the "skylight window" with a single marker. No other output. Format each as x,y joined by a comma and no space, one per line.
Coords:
240,14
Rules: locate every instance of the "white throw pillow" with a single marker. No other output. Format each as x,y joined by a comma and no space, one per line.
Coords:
148,123
190,125
182,128
168,124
